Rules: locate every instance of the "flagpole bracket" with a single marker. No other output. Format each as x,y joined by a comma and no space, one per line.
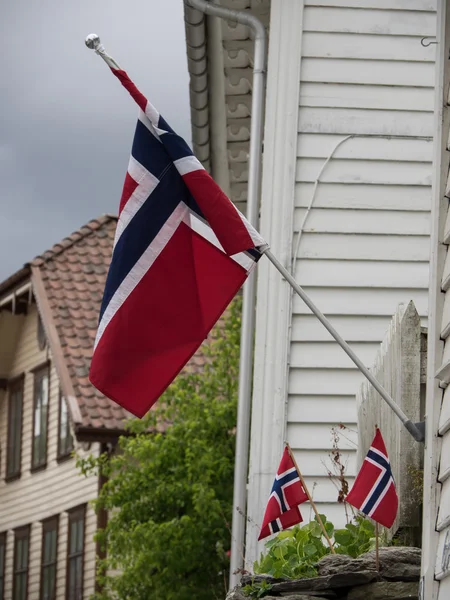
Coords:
419,431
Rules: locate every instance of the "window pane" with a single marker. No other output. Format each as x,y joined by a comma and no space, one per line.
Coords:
2,562
40,419
49,558
21,542
14,429
76,552
65,435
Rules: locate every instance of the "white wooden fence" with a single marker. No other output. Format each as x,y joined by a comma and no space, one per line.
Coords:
399,367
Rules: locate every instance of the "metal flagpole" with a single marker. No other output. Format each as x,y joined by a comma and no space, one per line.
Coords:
310,498
410,426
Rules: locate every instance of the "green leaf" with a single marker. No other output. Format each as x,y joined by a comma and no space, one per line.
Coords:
315,529
368,527
310,549
342,536
322,517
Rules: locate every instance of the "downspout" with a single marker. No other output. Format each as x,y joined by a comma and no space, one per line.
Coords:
249,296
217,108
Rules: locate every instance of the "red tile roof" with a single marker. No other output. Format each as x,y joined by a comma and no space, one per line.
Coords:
73,275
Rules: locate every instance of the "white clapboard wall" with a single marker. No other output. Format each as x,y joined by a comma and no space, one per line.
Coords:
365,244
364,249
436,517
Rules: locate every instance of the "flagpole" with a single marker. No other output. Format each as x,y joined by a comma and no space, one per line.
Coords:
93,42
409,425
377,547
319,518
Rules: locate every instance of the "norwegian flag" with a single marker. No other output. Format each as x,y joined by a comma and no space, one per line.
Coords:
181,252
287,493
373,492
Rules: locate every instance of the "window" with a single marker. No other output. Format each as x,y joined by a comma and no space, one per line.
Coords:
15,413
75,554
21,553
2,563
40,418
41,337
65,439
49,558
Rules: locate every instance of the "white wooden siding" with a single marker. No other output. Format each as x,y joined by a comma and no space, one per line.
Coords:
365,244
436,518
52,491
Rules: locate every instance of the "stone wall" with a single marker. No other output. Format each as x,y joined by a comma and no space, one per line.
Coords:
344,578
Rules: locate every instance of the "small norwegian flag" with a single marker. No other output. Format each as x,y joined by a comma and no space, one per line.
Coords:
373,492
287,493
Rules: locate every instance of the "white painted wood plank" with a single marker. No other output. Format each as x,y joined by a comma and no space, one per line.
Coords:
363,222
422,5
329,355
442,567
372,247
360,196
445,284
302,436
324,382
443,517
359,72
354,328
318,462
327,44
313,145
334,512
374,97
447,229
364,171
444,419
323,489
359,301
376,22
444,588
329,273
321,409
444,467
348,121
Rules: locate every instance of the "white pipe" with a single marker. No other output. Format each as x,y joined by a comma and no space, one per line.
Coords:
217,107
248,307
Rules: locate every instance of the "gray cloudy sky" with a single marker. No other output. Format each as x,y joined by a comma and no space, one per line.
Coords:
66,124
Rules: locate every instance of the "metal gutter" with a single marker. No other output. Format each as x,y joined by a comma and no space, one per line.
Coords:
248,309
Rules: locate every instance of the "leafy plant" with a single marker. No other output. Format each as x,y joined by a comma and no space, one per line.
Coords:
356,538
257,589
169,494
294,552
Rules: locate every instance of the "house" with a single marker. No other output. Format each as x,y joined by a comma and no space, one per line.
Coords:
48,409
436,504
345,202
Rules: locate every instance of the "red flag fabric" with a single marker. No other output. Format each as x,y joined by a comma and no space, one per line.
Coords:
287,493
373,492
182,250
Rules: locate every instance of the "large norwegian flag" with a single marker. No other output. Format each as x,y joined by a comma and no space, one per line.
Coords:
287,493
373,492
181,252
